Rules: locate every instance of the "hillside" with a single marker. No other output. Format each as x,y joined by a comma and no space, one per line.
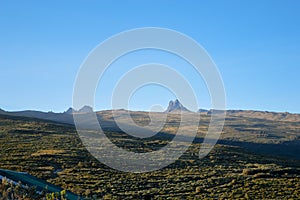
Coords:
274,116
53,151
258,131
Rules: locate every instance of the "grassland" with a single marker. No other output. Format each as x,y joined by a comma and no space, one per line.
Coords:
54,152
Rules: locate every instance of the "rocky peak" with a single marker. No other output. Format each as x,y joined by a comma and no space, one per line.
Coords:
86,109
70,111
176,106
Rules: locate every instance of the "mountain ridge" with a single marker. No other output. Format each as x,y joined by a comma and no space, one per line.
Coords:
173,107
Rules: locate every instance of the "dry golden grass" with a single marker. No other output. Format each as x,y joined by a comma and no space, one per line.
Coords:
48,152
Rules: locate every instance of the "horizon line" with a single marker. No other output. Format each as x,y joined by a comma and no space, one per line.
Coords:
108,109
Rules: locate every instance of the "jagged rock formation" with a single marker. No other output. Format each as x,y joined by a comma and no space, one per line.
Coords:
70,111
86,109
176,106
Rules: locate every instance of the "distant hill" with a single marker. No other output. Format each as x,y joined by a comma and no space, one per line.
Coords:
57,117
65,117
274,116
173,107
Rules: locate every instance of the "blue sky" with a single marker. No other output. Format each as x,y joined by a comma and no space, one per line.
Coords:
255,44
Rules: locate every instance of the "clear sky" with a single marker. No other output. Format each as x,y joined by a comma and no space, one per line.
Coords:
255,44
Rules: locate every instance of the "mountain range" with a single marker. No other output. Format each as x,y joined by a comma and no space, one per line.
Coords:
173,107
259,131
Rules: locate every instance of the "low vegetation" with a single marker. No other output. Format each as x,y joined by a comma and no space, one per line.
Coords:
12,191
54,152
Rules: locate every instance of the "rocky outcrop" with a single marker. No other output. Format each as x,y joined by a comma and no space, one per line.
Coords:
70,111
86,109
176,106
